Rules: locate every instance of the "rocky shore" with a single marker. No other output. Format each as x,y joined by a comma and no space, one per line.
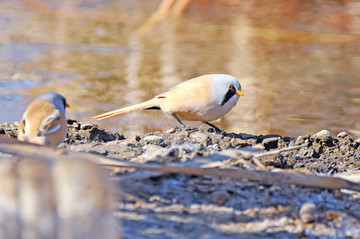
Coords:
159,205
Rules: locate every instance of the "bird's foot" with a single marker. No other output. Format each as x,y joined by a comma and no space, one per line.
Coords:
215,129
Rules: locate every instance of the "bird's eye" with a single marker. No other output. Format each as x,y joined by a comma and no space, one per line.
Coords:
231,87
66,105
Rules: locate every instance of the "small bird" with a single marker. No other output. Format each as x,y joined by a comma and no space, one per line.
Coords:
44,120
204,98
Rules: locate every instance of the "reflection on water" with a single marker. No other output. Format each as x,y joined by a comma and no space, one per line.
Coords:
298,62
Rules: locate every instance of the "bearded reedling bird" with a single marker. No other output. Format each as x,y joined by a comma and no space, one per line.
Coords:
44,120
204,98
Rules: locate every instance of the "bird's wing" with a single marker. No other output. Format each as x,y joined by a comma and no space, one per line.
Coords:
51,123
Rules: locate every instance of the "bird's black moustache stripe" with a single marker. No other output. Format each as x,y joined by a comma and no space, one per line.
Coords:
230,93
64,103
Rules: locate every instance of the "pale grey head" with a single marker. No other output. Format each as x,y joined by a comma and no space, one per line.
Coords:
58,100
227,89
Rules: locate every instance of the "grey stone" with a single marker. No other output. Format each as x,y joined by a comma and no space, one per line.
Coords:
307,212
247,136
171,130
153,139
76,126
199,137
300,140
342,134
270,143
220,197
86,126
324,135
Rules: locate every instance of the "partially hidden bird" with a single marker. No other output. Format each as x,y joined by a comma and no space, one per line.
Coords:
204,98
44,121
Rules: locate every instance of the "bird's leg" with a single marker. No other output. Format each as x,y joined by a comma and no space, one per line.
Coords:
217,129
178,120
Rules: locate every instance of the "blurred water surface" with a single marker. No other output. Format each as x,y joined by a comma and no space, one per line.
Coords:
298,61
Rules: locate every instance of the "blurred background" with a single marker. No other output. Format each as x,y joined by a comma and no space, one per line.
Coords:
298,61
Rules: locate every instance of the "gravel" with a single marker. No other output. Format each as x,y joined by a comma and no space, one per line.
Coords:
157,205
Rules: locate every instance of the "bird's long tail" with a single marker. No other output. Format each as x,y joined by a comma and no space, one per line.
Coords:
153,103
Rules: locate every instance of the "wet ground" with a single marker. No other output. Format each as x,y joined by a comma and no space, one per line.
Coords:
158,205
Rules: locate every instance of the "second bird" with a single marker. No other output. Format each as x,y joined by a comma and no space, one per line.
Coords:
44,120
204,98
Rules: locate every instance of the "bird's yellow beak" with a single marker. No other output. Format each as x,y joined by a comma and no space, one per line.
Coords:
67,105
239,93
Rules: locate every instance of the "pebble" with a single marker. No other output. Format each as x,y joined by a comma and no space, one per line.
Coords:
76,126
152,148
86,126
323,135
307,212
153,139
300,140
270,143
237,142
172,130
247,136
220,197
356,143
342,134
152,152
199,137
242,218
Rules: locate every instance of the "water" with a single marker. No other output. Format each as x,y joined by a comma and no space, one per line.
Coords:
298,61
